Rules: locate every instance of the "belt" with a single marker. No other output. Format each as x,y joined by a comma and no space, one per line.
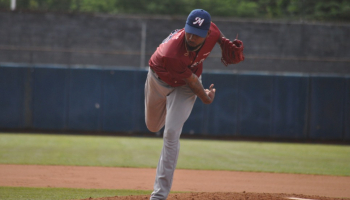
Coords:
155,74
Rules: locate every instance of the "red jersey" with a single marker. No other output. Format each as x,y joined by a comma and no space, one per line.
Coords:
173,63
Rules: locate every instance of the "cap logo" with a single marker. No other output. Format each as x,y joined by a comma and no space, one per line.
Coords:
199,21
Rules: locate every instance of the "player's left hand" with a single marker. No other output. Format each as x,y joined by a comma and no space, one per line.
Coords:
232,52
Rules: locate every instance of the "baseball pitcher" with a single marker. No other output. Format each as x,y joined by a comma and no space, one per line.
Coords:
174,82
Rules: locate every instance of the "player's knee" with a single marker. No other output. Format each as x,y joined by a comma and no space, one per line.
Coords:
172,135
154,125
153,129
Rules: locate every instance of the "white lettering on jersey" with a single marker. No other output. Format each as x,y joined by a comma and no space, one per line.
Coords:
197,63
198,21
206,54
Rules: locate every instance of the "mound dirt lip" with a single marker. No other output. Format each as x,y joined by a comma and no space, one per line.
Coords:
223,196
184,180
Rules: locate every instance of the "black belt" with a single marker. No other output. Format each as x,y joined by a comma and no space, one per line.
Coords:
155,74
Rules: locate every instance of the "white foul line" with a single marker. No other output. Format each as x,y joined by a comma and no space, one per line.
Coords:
296,198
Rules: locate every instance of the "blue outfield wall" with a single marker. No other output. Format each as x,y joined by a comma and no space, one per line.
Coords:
50,95
12,97
347,111
328,107
56,98
290,106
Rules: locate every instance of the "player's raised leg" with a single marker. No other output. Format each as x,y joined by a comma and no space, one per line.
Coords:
156,92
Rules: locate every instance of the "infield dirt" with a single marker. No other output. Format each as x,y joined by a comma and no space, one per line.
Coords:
200,184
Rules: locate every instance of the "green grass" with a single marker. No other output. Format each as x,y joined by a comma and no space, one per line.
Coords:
39,149
194,154
79,150
15,193
266,157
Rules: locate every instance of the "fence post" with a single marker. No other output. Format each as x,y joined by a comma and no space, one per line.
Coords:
13,5
143,44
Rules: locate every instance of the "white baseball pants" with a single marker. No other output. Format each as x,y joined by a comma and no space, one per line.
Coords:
169,106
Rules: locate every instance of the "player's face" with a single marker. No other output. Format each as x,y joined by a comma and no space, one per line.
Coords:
193,41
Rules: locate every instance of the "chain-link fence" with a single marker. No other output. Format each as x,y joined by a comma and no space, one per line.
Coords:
128,40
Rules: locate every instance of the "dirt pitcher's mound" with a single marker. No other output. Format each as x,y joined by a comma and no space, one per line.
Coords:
224,196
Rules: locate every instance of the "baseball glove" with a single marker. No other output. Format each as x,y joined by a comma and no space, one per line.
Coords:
232,52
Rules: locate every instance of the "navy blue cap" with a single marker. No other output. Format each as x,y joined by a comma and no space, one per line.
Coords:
198,22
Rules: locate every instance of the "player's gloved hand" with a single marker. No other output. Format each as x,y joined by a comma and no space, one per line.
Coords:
232,52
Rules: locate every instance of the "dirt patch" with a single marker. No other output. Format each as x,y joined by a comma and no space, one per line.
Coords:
202,184
223,196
